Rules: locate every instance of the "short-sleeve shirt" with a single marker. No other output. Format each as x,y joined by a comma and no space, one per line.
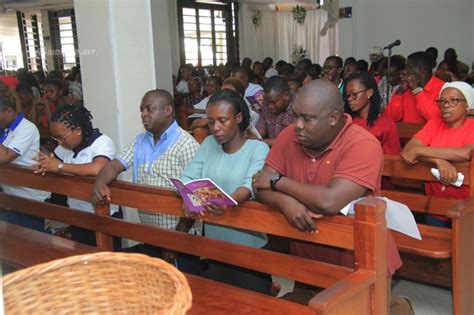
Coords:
385,130
157,171
272,124
229,171
99,146
23,137
355,155
438,135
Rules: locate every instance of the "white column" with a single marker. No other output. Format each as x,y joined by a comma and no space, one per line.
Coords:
117,63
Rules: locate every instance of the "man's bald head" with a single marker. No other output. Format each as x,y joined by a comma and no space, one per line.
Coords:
323,95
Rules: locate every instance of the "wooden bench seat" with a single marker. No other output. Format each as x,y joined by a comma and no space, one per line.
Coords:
444,256
358,290
23,247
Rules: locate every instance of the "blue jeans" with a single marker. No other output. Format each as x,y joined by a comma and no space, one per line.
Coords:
22,219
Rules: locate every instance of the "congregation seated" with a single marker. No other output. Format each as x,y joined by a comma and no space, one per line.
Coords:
157,154
19,145
327,138
414,100
391,77
451,63
332,71
277,111
319,164
445,140
82,150
253,95
195,94
228,149
362,102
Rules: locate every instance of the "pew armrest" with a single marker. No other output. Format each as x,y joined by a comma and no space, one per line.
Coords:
342,291
462,208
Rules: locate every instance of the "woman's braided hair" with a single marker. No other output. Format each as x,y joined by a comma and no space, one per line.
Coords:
73,116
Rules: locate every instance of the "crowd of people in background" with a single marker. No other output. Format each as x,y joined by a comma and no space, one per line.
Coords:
305,139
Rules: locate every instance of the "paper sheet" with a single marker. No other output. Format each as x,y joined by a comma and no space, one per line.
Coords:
457,183
399,217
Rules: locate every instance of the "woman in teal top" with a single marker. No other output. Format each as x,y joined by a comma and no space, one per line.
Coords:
230,160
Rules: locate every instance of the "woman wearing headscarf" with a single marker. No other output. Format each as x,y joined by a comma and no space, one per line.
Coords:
445,140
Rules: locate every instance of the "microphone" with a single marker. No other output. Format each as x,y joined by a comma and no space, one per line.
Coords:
395,43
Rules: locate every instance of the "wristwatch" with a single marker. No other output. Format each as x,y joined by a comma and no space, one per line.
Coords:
274,180
60,167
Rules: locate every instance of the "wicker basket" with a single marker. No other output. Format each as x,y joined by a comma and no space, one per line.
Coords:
102,283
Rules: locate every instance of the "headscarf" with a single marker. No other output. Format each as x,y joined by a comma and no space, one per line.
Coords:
464,88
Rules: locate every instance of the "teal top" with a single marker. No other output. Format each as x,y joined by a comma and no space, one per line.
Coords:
229,171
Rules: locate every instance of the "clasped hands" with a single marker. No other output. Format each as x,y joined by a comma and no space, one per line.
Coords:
46,163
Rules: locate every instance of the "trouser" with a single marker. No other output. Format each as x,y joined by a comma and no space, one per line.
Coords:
22,219
87,237
239,277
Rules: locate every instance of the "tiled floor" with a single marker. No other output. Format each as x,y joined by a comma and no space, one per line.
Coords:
426,300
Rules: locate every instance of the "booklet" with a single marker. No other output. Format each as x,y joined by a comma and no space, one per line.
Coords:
256,100
199,191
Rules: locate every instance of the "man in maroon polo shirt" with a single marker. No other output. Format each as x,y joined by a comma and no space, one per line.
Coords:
318,165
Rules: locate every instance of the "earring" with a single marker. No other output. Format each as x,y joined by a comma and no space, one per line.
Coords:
80,133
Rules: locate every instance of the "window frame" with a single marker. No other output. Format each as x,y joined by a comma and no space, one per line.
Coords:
232,39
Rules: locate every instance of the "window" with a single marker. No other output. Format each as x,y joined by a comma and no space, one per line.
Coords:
208,32
64,39
31,34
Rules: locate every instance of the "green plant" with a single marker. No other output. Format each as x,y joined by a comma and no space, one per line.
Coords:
299,14
298,54
257,18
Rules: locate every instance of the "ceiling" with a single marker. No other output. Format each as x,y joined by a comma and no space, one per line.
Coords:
7,6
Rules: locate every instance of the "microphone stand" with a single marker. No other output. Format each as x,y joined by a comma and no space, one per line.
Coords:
388,74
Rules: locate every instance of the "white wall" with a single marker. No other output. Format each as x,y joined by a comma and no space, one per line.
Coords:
417,23
122,66
10,37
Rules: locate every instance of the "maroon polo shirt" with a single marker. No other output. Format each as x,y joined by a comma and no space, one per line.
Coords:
356,155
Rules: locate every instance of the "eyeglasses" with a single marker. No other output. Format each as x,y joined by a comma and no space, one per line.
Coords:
451,102
63,138
353,94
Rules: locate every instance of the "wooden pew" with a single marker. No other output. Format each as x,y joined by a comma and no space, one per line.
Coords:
362,290
406,131
444,256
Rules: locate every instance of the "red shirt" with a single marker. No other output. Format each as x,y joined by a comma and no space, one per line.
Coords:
385,130
403,108
9,81
354,154
436,134
419,108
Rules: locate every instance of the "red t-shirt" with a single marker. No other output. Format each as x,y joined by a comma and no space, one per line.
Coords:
419,108
354,154
436,134
385,130
403,108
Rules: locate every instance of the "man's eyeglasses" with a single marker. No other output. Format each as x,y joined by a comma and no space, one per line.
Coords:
63,138
450,103
353,94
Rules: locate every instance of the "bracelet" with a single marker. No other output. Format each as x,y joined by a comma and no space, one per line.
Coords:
417,90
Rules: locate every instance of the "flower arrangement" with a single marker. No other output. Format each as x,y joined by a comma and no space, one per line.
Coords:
257,18
298,54
299,14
